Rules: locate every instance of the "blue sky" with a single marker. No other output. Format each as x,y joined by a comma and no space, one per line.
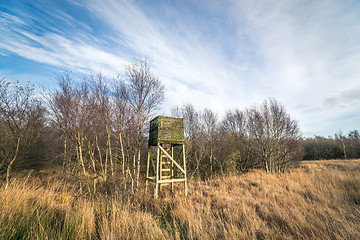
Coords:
216,54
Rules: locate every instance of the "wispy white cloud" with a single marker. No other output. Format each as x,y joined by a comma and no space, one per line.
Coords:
192,65
221,56
76,51
303,46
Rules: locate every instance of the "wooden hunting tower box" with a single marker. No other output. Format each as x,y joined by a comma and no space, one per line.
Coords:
166,130
167,137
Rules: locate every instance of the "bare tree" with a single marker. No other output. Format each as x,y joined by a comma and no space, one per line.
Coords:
194,137
354,144
240,150
20,113
122,116
274,134
146,93
342,139
235,121
73,112
104,112
210,123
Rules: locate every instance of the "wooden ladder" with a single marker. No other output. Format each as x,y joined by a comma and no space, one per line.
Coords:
166,168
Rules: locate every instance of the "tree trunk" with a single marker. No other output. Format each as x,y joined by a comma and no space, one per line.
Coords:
106,164
92,158
266,161
140,126
110,153
81,159
344,149
65,148
8,170
80,154
134,165
100,157
122,153
211,162
138,169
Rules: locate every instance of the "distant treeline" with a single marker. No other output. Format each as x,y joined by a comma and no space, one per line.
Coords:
96,129
338,147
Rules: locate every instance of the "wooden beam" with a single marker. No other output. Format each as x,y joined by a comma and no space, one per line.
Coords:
172,167
157,174
184,159
151,179
168,155
172,180
147,171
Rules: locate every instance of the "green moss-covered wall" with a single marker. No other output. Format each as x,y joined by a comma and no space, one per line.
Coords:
166,130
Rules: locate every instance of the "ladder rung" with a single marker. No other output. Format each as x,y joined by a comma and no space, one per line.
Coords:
166,170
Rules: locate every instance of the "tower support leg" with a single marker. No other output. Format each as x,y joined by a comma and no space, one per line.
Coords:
157,174
147,170
184,160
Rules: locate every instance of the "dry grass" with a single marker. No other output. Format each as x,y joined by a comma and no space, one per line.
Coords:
315,200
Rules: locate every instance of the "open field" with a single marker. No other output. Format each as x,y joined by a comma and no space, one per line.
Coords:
314,200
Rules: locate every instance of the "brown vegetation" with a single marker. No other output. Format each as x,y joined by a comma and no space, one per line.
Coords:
314,200
77,156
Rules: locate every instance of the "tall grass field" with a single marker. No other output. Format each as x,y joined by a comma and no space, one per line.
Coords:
313,200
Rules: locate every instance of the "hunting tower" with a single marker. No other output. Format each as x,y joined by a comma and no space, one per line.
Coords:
167,139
